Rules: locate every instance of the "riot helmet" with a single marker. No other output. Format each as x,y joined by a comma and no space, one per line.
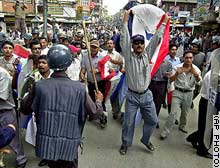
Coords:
59,57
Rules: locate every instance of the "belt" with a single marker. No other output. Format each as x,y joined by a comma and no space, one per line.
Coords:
138,92
182,90
153,81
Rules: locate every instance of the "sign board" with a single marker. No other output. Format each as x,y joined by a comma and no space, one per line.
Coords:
69,12
173,10
216,3
201,12
183,13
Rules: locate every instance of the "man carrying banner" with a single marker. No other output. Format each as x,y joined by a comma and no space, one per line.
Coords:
138,78
114,64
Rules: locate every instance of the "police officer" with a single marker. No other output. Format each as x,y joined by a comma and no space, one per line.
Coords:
61,107
35,34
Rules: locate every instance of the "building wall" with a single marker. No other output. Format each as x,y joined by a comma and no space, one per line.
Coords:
7,7
0,5
8,11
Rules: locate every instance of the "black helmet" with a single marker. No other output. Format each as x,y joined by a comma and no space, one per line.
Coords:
27,36
35,31
59,57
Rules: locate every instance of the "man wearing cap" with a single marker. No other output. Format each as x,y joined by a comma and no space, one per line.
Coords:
35,33
138,79
61,36
78,36
27,40
95,57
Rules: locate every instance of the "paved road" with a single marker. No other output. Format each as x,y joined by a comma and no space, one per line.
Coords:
101,148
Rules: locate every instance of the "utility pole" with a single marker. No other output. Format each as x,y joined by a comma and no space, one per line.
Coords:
35,9
45,18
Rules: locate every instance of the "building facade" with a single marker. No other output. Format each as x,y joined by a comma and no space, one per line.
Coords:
7,18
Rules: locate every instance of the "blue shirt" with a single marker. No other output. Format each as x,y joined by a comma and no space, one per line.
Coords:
174,61
86,65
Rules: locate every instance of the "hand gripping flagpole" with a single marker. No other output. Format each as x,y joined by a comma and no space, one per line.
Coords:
89,56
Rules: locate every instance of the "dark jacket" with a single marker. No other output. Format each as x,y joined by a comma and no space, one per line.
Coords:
60,108
6,136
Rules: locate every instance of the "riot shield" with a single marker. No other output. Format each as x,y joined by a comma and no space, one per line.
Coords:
213,89
24,79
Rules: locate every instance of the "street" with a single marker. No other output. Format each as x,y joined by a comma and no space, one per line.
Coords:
101,148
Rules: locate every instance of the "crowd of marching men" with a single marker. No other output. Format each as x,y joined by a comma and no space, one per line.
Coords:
176,83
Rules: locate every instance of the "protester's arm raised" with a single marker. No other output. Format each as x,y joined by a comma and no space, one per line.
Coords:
125,38
156,39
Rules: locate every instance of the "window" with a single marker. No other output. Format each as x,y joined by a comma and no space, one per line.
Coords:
25,1
85,2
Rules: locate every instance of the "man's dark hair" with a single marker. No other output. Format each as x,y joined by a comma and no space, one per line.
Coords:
7,42
93,39
66,39
110,40
173,45
188,51
43,38
34,42
42,57
76,43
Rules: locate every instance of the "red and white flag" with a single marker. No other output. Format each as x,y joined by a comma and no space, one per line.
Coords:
21,51
104,68
146,19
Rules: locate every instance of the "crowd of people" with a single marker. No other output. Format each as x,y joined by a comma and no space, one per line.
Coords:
68,87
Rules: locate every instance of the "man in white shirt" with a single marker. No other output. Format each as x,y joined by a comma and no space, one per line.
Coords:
185,77
114,64
73,70
44,45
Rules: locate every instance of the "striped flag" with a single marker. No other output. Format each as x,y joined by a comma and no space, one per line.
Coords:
104,69
145,20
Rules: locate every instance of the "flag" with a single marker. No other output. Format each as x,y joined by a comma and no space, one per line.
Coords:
21,51
145,20
103,67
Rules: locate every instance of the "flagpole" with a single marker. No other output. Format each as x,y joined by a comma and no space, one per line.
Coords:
45,18
89,55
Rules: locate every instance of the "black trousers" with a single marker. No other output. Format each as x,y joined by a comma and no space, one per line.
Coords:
101,87
63,164
198,136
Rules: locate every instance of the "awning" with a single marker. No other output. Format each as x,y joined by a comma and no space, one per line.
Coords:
2,15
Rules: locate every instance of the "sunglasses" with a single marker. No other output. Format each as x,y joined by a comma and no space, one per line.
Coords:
92,46
138,42
36,48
